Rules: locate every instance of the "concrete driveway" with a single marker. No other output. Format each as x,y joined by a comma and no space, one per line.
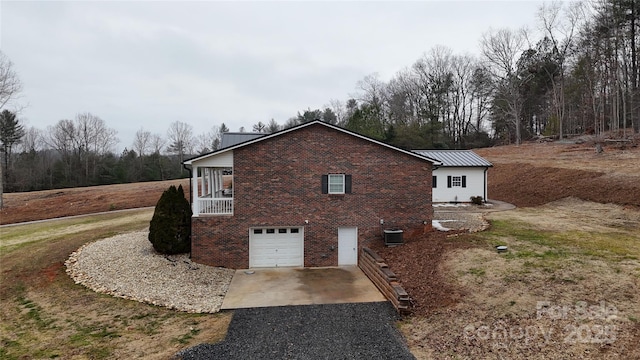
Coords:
299,286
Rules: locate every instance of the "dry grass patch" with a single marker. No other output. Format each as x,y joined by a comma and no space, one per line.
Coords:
14,236
563,258
45,315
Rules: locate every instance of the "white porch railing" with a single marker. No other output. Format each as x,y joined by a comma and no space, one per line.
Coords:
215,206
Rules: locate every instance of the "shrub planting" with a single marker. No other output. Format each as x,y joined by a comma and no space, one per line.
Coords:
170,227
477,200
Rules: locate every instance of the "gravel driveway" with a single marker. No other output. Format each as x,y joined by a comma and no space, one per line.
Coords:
336,331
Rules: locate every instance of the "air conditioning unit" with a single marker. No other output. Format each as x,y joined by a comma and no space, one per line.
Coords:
393,237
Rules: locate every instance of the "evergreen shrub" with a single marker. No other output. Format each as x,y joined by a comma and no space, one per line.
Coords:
170,227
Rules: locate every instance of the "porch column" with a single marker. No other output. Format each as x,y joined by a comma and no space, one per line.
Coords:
194,187
219,185
203,181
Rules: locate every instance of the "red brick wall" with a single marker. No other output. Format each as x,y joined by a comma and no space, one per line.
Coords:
277,182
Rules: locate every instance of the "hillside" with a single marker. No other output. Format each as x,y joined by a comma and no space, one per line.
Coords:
533,174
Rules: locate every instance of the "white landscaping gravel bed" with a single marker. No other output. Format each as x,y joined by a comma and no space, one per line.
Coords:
126,266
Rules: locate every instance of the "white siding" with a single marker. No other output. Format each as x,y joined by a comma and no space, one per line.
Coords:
224,159
475,181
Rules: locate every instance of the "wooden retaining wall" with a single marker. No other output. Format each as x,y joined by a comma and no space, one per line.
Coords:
385,280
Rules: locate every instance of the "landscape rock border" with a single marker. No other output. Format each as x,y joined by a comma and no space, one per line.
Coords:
126,266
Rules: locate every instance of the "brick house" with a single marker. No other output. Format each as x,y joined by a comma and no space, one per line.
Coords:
311,195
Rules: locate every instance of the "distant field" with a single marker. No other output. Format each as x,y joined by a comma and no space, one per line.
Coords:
49,204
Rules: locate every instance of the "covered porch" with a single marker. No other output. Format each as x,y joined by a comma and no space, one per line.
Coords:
212,191
212,184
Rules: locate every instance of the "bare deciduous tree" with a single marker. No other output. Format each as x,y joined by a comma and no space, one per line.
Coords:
561,32
208,141
32,140
63,138
94,138
180,137
157,143
80,143
501,50
338,108
10,86
142,142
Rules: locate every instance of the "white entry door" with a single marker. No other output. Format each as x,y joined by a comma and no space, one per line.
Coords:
347,246
276,247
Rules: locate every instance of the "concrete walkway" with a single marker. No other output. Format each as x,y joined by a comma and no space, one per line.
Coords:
490,206
299,286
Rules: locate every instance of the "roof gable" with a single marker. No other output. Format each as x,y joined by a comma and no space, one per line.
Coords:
301,126
456,158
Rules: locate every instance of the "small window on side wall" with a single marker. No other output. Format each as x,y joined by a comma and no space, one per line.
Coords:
434,181
336,184
457,181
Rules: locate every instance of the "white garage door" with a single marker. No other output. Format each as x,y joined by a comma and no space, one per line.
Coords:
276,247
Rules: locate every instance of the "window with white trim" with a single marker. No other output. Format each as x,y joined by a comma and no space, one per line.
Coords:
336,183
456,181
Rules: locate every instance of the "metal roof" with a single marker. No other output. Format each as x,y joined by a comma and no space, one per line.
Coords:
300,126
234,138
449,158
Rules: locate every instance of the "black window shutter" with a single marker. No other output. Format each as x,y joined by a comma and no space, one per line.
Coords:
449,181
325,184
434,181
347,184
464,181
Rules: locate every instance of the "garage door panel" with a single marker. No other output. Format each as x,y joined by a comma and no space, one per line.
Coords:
280,247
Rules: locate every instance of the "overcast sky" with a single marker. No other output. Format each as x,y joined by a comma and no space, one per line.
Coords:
140,64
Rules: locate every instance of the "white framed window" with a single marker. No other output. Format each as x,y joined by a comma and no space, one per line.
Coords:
456,181
336,183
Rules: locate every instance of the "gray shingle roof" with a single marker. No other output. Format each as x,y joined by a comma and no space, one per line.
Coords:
455,157
234,138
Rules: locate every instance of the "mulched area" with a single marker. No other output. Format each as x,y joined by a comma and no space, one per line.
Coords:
417,263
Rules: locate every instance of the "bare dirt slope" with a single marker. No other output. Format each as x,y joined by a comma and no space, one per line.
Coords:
533,174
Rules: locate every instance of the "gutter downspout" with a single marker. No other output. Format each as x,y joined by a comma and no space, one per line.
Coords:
486,169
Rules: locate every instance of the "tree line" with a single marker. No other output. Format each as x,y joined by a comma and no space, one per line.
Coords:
79,152
578,74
